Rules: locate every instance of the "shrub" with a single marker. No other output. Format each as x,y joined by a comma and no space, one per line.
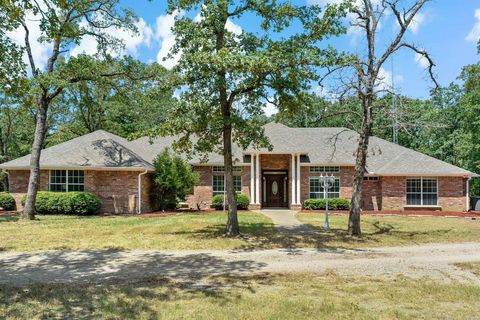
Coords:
173,180
69,203
333,203
6,201
242,201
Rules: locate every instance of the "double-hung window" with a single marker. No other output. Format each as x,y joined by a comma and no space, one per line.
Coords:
317,190
218,184
66,180
422,191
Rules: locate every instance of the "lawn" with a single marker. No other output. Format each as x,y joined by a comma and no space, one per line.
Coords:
185,231
205,231
389,230
260,296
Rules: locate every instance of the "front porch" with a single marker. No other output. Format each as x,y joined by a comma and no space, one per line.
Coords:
275,181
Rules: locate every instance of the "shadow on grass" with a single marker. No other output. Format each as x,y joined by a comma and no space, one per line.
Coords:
8,218
121,299
266,236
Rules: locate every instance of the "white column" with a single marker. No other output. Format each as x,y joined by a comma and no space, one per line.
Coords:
252,179
292,201
257,178
467,195
298,179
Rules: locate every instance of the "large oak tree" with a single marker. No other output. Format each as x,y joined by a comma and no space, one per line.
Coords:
225,75
62,24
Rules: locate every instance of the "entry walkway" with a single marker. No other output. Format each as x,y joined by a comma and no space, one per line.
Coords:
286,223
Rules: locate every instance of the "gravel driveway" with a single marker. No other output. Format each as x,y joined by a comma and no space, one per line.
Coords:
434,261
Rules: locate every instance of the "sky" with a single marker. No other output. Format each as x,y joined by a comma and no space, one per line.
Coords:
447,29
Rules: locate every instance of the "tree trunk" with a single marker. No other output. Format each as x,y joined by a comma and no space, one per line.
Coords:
360,164
33,183
233,228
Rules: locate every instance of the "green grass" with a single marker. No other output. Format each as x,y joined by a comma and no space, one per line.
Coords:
378,230
261,296
186,231
205,231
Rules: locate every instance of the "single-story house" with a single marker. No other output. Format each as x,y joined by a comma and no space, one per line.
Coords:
120,171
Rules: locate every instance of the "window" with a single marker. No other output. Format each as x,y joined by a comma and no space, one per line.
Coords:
218,184
221,169
66,180
324,169
317,191
422,191
370,178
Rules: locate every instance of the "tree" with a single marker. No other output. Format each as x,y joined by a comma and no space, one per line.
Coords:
367,77
225,75
62,24
173,180
119,105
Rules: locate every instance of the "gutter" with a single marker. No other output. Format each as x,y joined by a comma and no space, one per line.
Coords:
139,205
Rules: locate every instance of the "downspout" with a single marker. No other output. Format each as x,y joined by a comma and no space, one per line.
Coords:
139,205
468,193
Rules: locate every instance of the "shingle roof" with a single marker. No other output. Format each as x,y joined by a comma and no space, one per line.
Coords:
99,149
320,146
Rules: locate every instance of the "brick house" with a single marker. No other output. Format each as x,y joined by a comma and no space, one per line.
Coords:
120,171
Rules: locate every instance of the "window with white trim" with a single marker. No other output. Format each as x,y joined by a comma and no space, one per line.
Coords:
317,191
324,169
218,184
221,169
422,191
66,180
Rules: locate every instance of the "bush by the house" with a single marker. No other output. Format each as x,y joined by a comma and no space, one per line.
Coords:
173,180
6,201
68,203
333,203
242,201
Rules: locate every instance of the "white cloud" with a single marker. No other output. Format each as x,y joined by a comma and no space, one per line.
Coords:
270,109
421,61
164,34
40,51
233,28
474,34
132,40
385,80
417,21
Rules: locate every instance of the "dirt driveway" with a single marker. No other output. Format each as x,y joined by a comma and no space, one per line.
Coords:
434,261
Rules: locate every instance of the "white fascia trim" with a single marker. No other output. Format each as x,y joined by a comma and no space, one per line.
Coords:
308,164
211,164
276,152
426,175
84,168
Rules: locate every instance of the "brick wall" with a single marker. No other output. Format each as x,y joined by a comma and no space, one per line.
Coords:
18,184
203,193
118,190
393,193
346,181
371,195
452,193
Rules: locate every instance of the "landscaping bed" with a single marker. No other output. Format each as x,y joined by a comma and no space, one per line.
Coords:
431,213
